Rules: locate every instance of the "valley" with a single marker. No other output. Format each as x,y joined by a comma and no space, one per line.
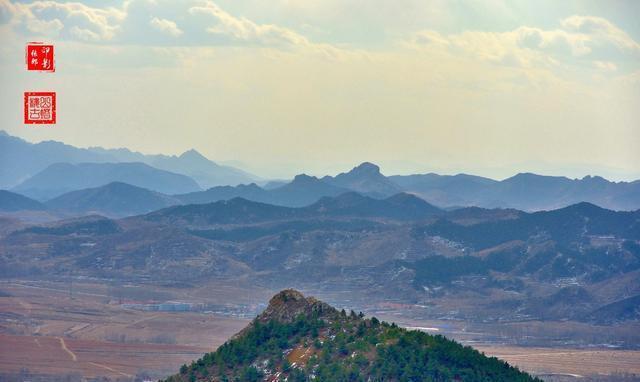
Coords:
88,328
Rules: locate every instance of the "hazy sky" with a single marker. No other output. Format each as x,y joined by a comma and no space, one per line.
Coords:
283,86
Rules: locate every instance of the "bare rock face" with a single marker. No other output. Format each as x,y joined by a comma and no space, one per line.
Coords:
289,304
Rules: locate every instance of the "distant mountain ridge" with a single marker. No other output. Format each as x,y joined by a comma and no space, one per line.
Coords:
10,201
243,211
303,190
525,191
206,172
115,199
61,178
35,157
399,206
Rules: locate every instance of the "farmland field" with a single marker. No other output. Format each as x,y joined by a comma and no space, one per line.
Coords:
45,330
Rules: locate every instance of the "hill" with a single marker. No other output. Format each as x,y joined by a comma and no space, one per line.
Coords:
113,199
60,178
10,201
299,338
626,309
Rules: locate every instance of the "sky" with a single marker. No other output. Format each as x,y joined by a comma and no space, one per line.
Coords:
280,87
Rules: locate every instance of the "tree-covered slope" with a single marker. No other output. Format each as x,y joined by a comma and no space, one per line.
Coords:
302,339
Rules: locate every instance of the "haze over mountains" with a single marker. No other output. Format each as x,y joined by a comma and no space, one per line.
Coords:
50,169
301,191
113,199
10,201
33,158
528,192
523,191
60,178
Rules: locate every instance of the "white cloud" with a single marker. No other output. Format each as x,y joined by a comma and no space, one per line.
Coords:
244,30
579,38
166,26
240,30
601,31
203,23
54,18
84,34
606,66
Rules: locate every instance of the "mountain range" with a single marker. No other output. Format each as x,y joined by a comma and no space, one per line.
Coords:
303,190
49,169
33,158
493,264
527,192
243,211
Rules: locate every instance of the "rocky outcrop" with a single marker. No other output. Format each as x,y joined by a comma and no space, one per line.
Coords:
287,305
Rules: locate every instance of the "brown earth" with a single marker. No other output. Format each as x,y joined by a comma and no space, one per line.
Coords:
90,358
577,362
48,331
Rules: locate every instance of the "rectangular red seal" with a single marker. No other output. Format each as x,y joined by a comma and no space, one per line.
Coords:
40,57
40,108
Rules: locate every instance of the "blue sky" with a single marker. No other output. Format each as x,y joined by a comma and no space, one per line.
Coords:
283,86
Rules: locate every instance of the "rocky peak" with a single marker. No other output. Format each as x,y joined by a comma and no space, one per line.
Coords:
193,155
366,168
304,179
289,304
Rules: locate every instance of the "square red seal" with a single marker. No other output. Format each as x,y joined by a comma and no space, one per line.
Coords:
40,108
40,57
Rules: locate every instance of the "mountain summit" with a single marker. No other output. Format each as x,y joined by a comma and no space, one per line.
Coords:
366,179
287,305
366,168
300,338
192,154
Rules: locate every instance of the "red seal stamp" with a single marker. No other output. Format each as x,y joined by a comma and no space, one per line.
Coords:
40,108
40,57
